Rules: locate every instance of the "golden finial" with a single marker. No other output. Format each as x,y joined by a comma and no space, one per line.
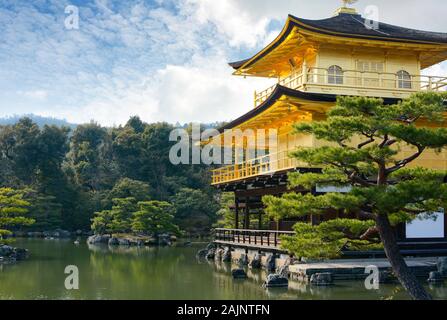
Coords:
345,8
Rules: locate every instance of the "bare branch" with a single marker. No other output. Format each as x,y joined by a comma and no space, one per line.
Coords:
365,143
413,211
402,163
366,215
369,233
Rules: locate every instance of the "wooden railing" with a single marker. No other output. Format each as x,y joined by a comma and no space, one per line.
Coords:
251,238
371,83
263,165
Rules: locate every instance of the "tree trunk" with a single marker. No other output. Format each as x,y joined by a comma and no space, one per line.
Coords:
400,268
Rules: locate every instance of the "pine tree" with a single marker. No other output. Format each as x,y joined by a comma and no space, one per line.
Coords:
102,222
363,138
154,217
13,210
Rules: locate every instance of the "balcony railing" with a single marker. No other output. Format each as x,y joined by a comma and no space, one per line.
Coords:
260,166
352,82
251,238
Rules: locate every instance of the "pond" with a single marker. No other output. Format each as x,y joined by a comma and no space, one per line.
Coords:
154,273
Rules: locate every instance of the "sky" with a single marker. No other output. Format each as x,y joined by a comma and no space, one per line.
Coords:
163,60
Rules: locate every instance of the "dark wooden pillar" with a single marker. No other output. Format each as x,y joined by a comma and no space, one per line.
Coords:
313,220
247,213
236,209
445,224
260,220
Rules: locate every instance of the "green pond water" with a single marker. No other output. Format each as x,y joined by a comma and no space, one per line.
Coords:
154,273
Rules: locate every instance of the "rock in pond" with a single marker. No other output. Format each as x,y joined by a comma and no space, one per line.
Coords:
239,274
151,242
322,279
123,242
211,246
276,281
270,264
58,233
226,255
114,242
243,260
164,240
256,262
211,253
98,239
11,254
6,251
202,253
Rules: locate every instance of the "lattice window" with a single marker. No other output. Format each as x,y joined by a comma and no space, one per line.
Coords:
335,75
403,80
369,76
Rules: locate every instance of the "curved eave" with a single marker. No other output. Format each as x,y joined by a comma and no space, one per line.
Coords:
284,91
288,27
415,40
293,21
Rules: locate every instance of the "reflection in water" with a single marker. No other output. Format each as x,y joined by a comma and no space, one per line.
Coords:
155,273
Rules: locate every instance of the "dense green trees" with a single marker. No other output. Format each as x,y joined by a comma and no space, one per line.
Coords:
365,137
44,209
195,209
67,176
143,217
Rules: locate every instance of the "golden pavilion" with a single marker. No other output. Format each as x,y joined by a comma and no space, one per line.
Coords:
314,61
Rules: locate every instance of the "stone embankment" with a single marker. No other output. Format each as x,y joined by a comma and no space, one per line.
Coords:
130,240
281,267
10,254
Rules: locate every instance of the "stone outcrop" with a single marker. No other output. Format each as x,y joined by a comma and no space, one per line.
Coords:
270,263
211,253
202,253
165,240
243,260
256,262
276,281
284,269
10,254
98,239
226,255
113,242
322,279
125,241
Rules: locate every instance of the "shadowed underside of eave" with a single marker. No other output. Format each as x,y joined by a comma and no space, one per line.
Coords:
281,91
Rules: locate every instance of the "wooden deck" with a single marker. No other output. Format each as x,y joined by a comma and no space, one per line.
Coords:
270,241
265,240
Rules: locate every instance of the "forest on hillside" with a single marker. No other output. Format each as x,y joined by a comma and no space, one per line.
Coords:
67,175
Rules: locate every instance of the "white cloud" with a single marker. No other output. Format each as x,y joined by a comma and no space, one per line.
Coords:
241,27
157,62
202,91
34,94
